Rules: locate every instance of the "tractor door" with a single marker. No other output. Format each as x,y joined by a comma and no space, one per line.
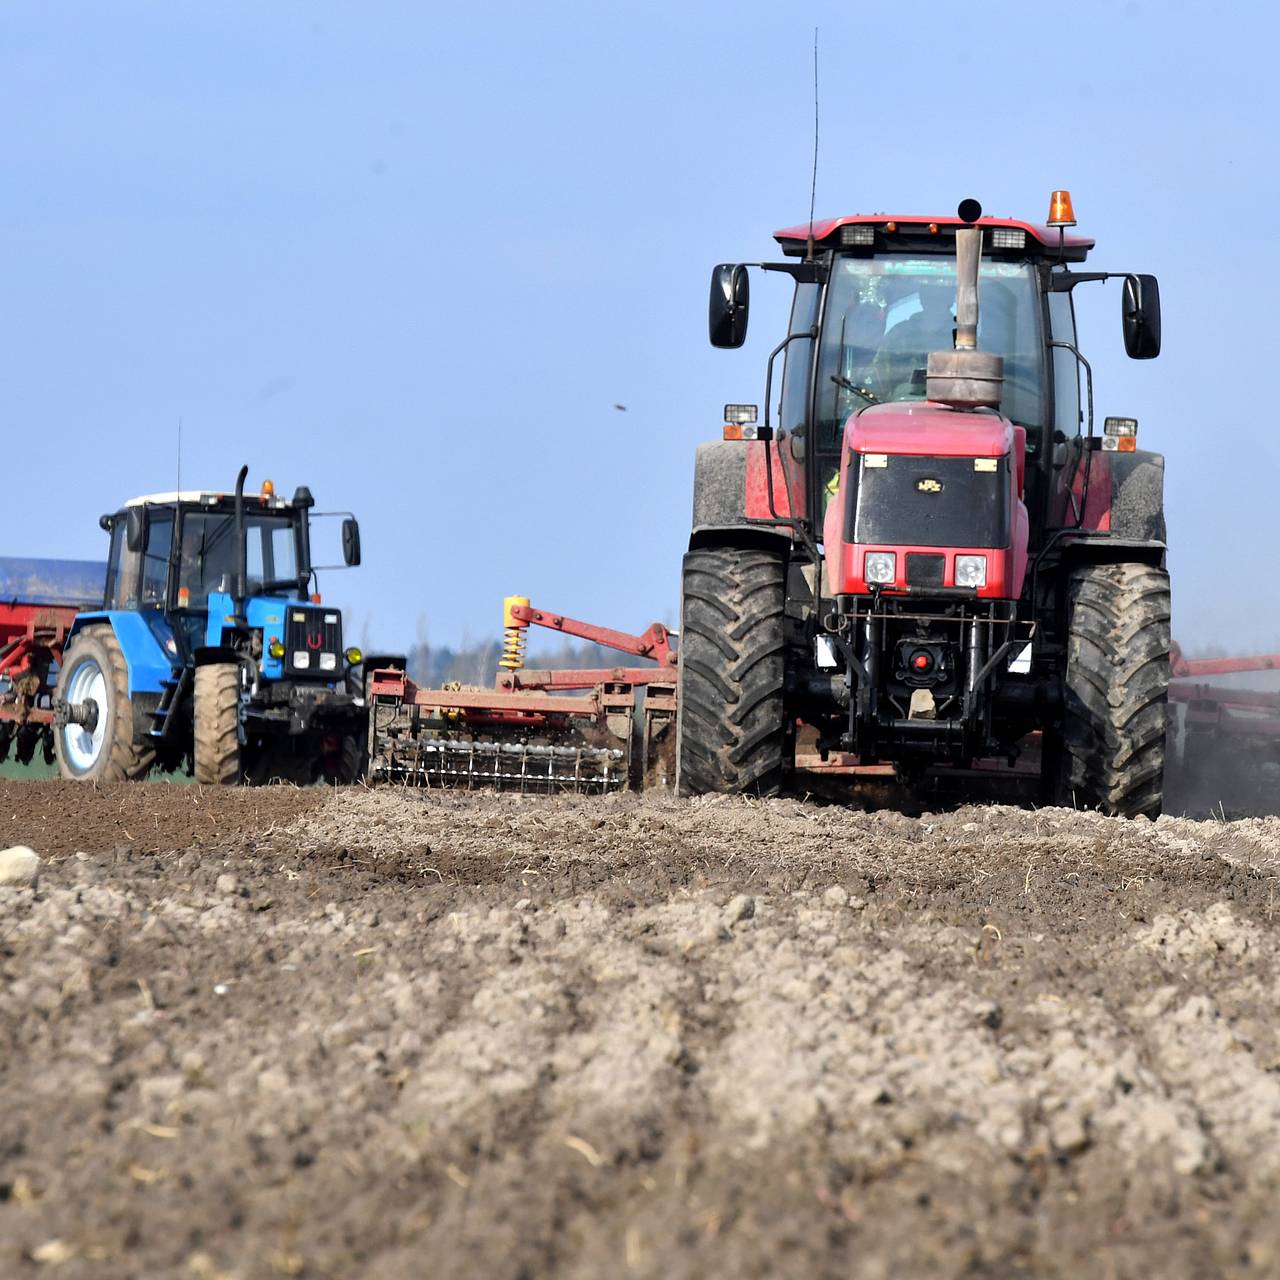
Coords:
1067,419
154,584
795,434
138,579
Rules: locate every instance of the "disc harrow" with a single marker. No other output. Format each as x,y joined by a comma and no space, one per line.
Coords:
528,768
587,731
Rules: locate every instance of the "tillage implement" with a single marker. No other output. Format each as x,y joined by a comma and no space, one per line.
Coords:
588,731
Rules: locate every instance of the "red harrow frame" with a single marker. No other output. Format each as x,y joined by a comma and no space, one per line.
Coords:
587,730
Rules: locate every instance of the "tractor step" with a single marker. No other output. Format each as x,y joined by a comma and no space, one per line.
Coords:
508,766
160,713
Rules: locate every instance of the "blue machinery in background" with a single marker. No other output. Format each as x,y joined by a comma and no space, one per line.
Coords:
200,644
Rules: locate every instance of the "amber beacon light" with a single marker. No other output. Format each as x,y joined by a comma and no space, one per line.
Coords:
1061,214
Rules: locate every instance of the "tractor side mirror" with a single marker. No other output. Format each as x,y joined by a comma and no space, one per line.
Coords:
135,529
351,541
1140,315
730,300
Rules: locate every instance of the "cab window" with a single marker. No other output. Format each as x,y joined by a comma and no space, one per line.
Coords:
1066,368
155,559
117,584
793,412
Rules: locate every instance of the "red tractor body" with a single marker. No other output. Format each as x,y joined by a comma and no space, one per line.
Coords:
929,557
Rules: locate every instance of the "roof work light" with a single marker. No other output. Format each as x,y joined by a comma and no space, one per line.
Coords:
1008,238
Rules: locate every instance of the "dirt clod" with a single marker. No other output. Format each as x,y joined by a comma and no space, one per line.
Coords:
19,868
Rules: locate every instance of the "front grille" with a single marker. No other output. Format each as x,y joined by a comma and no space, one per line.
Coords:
313,642
925,570
910,501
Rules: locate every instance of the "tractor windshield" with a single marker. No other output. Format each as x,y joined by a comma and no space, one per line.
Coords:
208,554
885,314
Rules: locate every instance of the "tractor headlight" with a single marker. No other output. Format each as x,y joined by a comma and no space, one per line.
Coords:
971,571
880,566
354,657
328,662
276,650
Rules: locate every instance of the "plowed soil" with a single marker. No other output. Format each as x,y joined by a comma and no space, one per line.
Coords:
383,1034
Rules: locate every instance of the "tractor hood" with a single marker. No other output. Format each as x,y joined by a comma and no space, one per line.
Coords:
310,633
922,429
921,488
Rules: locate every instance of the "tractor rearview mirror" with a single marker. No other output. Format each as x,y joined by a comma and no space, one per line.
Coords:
135,529
351,541
1140,315
730,301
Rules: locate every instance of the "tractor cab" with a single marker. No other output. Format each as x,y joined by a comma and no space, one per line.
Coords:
217,565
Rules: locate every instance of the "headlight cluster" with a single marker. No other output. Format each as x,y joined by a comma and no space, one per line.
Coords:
880,566
971,571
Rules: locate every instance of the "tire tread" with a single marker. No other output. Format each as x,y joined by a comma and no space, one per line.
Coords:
1117,684
731,727
217,724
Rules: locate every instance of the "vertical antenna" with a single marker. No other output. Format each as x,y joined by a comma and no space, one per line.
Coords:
813,186
179,454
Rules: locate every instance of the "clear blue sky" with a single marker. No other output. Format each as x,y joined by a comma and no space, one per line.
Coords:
412,255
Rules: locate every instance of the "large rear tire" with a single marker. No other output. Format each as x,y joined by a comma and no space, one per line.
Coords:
731,725
217,724
1117,682
94,670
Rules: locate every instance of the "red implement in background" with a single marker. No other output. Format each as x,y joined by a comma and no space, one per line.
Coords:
32,637
530,732
1217,709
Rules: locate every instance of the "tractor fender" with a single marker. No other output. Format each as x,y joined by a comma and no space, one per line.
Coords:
1132,525
720,499
1105,548
1137,495
144,645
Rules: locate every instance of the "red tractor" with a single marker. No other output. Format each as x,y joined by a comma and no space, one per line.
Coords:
929,558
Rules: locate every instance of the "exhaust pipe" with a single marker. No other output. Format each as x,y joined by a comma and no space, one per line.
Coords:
242,565
968,259
966,378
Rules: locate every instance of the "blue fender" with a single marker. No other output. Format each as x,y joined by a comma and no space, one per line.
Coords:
146,640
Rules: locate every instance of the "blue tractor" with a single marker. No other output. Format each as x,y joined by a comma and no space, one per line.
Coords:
210,652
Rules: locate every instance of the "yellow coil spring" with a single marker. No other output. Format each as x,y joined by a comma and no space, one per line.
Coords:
514,635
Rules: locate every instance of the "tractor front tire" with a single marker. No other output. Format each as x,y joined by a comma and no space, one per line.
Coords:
94,669
217,724
1117,681
350,762
731,726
